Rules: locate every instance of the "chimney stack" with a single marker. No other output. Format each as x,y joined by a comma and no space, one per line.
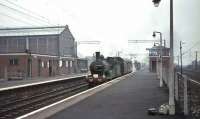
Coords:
97,55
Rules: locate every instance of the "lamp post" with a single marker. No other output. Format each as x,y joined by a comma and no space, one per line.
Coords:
171,69
161,62
196,60
29,68
156,2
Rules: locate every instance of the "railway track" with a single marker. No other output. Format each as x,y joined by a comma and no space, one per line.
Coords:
192,74
20,101
193,89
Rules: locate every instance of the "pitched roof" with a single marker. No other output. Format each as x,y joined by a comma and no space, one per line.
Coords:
30,31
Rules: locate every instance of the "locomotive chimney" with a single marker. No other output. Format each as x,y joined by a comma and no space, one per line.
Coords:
97,55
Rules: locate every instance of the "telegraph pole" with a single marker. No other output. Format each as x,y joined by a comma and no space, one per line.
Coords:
196,63
181,57
178,62
164,43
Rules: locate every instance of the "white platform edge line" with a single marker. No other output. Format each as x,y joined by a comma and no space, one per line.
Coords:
46,107
41,82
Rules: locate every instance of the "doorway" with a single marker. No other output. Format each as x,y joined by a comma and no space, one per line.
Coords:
154,66
39,67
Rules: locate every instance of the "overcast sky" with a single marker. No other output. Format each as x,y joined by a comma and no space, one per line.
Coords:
113,22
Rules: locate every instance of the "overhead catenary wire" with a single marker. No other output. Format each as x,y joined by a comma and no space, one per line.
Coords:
28,10
39,17
26,14
187,51
20,20
22,13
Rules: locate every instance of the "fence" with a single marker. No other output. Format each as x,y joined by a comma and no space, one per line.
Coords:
187,95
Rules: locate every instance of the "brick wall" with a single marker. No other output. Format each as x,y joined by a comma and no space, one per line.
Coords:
41,66
38,45
44,66
5,63
67,45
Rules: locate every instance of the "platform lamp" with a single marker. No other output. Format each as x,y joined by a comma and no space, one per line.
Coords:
156,3
171,69
160,58
28,51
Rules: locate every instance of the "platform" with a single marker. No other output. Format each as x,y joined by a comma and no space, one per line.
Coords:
127,99
7,83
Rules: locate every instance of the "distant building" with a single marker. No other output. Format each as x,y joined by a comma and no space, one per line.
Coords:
154,57
33,52
155,62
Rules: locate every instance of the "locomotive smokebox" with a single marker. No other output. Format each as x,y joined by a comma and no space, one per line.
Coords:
97,55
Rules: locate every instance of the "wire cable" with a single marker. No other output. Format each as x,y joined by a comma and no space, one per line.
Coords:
20,12
190,48
16,19
42,18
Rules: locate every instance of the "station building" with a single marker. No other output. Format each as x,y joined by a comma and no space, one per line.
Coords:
37,52
154,57
155,61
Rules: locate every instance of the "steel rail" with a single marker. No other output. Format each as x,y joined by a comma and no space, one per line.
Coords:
37,101
31,97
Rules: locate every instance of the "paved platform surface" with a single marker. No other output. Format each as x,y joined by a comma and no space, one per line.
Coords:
128,99
7,83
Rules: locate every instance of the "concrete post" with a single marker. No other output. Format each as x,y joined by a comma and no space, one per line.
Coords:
171,78
185,95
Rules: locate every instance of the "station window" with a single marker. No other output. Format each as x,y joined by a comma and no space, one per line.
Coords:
42,64
47,64
66,63
14,61
70,63
60,63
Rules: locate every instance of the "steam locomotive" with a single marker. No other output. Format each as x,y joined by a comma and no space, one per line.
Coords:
103,70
